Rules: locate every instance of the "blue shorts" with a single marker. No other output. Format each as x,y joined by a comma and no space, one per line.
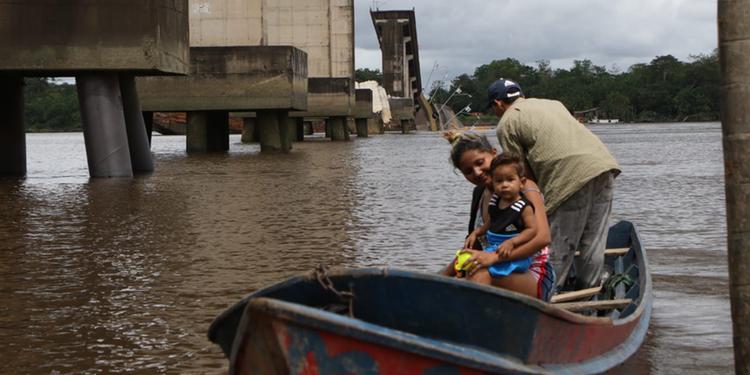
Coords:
507,267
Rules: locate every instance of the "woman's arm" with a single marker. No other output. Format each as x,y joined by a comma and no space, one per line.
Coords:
484,207
542,237
469,243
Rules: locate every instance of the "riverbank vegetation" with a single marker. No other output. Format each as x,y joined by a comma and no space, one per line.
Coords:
663,90
50,106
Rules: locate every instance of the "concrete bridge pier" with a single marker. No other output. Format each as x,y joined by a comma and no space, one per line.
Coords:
250,130
406,126
207,131
138,140
297,129
148,121
375,126
104,130
267,80
362,130
12,134
337,126
273,128
362,111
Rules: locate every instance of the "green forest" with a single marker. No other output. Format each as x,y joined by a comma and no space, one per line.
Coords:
50,106
664,90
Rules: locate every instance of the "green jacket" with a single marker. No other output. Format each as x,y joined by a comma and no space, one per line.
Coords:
562,153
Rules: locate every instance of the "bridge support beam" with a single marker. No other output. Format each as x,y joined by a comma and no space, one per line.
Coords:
362,127
337,128
104,131
274,131
12,134
207,131
138,140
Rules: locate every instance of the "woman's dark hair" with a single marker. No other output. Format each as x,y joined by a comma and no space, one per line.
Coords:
462,142
507,158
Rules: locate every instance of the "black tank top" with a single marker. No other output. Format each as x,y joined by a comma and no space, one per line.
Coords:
507,220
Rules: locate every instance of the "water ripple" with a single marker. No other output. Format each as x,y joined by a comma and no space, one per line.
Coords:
123,275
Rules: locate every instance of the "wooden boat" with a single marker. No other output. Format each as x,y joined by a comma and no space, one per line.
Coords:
387,321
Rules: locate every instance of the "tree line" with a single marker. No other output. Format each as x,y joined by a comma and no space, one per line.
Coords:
666,89
50,106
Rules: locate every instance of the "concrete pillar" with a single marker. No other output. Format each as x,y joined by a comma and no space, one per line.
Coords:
338,128
12,134
250,130
405,127
373,126
287,136
148,121
103,121
274,131
327,126
362,127
138,142
297,129
207,131
308,128
392,49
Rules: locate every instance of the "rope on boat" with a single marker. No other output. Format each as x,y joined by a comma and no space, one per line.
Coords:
346,297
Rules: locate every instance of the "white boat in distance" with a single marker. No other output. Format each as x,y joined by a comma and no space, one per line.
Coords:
604,121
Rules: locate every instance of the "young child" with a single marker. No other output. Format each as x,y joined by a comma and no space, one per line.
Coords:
511,216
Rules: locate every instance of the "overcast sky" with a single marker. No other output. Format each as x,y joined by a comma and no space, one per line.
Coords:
462,35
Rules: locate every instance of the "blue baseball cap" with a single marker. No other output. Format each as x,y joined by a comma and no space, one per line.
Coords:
502,89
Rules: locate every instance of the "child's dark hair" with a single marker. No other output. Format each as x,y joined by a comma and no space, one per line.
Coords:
462,142
507,158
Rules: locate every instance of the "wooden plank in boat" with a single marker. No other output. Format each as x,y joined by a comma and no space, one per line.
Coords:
595,305
575,295
612,252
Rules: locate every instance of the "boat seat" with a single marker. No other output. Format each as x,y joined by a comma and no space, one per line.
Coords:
615,252
595,305
575,295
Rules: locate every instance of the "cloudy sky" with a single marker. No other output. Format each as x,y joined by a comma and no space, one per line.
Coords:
462,35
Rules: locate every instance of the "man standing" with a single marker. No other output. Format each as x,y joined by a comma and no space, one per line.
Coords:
572,167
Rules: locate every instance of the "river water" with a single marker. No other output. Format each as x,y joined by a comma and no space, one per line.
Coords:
125,275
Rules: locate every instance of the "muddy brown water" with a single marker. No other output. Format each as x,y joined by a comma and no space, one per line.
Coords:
125,275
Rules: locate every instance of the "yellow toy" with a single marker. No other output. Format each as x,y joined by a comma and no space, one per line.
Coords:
461,264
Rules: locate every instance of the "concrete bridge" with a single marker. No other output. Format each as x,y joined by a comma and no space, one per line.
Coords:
283,62
104,45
